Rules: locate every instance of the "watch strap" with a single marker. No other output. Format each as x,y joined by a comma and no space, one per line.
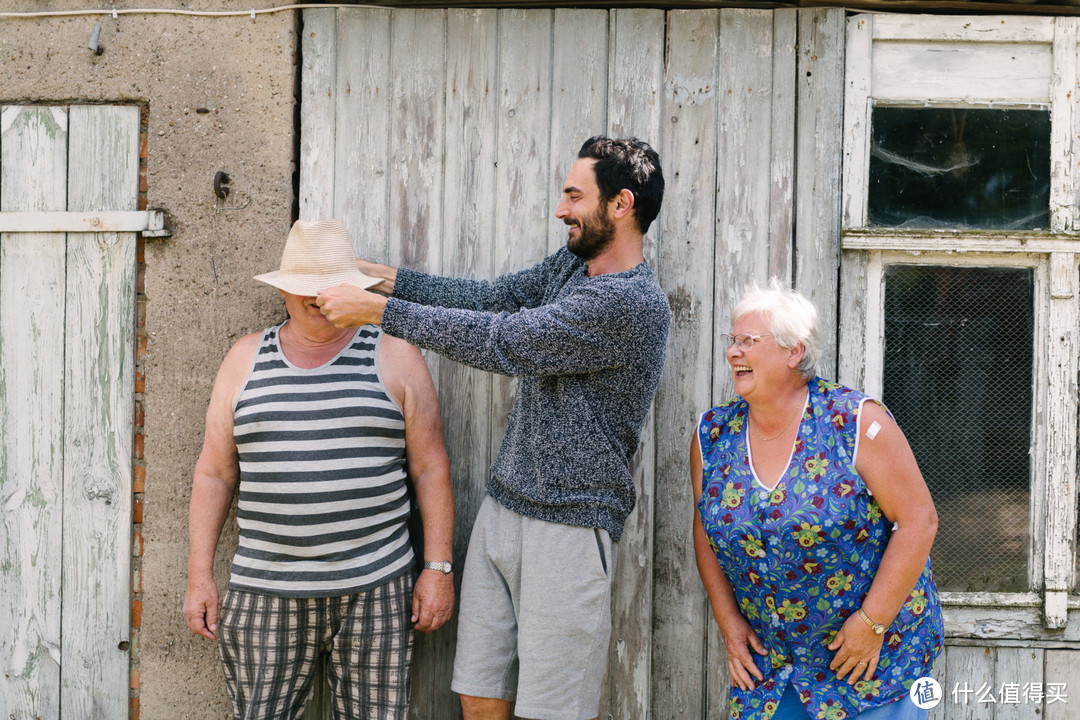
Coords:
878,628
443,566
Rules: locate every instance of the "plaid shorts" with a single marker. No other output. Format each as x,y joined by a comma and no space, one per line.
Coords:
271,647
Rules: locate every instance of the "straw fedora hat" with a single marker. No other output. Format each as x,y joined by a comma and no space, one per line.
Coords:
318,255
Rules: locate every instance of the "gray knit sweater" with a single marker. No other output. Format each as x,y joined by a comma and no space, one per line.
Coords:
589,351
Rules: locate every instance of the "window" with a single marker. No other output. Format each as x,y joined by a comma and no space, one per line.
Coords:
959,291
958,377
959,168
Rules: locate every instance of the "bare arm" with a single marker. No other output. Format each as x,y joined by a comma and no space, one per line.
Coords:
216,474
387,273
348,306
734,628
887,466
407,377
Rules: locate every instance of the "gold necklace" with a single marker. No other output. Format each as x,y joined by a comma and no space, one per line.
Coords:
762,438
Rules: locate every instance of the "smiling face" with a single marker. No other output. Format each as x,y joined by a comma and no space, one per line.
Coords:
764,367
591,228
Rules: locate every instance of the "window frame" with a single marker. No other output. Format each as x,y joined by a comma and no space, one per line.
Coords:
1034,61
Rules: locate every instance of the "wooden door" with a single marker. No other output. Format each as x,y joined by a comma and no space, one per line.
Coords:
66,410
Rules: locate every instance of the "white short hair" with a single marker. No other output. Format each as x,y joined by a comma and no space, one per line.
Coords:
791,317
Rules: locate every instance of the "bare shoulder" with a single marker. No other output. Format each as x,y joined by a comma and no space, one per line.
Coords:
883,449
238,361
875,422
399,359
391,347
243,350
874,411
403,369
227,386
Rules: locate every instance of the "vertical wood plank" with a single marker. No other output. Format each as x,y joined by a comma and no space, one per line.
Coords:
852,309
782,167
1074,108
522,205
418,42
852,306
578,97
1040,460
361,143
1014,668
689,150
857,109
318,91
873,339
817,188
1061,669
471,72
99,396
33,165
635,78
1061,417
635,81
636,57
636,74
743,192
417,101
1063,108
941,674
970,668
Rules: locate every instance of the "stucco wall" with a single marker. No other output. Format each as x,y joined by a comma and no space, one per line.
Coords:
199,293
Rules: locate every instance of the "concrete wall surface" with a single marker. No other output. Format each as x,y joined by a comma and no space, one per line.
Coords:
217,94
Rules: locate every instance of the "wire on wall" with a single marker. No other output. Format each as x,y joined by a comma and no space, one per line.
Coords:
116,12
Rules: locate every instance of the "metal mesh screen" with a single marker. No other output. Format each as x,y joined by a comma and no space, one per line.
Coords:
958,379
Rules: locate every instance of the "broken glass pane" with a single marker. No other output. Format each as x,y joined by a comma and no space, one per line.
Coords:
959,351
960,168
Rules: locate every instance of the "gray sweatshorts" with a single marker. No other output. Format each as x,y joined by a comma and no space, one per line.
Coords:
535,615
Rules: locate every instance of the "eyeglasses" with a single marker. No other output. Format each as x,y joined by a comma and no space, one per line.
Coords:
745,341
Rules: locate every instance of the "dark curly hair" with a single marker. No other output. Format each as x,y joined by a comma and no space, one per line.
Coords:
632,164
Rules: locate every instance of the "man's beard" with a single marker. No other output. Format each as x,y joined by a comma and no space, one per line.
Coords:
596,233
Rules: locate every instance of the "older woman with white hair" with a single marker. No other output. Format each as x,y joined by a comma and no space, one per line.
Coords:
812,533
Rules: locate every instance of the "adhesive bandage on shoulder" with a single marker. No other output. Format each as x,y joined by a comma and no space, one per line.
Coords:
872,431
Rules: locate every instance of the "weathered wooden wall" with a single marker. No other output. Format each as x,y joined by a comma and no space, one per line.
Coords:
66,407
1011,681
441,138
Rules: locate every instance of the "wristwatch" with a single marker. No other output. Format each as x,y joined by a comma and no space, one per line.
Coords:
878,628
443,566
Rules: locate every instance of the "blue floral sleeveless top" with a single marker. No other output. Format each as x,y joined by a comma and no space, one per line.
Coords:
801,557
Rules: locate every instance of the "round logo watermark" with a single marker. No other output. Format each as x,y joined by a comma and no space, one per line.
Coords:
925,693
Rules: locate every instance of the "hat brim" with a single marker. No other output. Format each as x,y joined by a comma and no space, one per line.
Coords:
311,285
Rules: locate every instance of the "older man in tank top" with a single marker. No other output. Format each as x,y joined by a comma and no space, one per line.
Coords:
320,428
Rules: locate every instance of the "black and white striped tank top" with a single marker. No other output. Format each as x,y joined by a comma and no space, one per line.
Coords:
323,506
